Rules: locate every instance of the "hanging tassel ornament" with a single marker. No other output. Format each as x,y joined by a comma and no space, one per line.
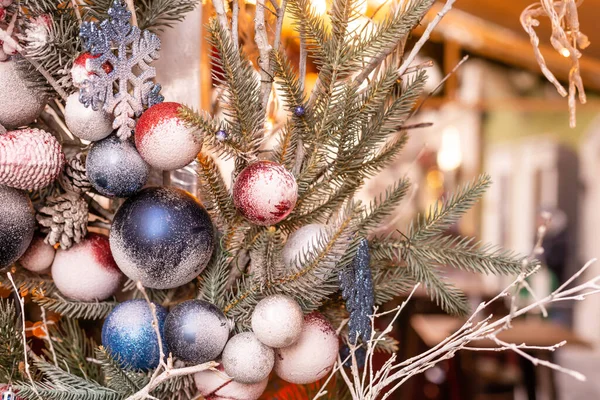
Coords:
30,159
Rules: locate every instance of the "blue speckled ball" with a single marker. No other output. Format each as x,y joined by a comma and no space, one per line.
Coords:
162,237
115,168
128,334
196,331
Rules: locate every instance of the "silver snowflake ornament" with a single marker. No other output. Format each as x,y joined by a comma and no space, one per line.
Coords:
121,79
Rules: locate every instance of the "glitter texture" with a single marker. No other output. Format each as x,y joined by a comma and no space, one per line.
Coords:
277,321
215,385
356,283
163,139
196,331
39,256
128,334
80,72
115,168
246,359
162,237
265,193
87,271
312,356
134,50
17,223
20,105
84,122
30,159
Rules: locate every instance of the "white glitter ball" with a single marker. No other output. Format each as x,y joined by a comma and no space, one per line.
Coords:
163,139
312,356
84,122
39,256
301,241
87,271
20,105
246,359
277,321
216,385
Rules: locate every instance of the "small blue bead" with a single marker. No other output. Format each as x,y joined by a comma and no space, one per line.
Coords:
299,111
221,135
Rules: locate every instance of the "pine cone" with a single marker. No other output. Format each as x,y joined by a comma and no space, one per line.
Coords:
74,178
30,159
64,218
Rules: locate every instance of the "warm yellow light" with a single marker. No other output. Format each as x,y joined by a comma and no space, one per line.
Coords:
449,157
362,7
250,2
269,124
565,52
320,6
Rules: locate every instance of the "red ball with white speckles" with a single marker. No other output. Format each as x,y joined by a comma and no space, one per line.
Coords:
265,193
80,73
87,271
164,140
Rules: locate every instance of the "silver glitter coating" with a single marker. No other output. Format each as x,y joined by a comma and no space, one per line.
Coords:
129,62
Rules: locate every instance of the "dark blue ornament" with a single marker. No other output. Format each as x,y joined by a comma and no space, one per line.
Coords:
162,237
17,223
356,283
196,331
128,334
115,168
299,111
360,354
221,135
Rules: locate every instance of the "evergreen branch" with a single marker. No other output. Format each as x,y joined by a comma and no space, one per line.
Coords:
265,257
390,282
11,345
214,279
76,309
117,378
442,216
312,28
382,207
214,191
385,156
31,282
207,128
49,391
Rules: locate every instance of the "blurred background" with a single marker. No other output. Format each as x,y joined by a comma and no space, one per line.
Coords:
496,114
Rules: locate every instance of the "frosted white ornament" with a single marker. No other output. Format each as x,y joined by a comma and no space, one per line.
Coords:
246,359
20,104
277,321
312,356
84,122
87,271
301,241
39,256
216,385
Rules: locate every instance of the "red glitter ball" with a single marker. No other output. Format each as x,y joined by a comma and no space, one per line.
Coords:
2,13
80,72
152,117
265,193
101,250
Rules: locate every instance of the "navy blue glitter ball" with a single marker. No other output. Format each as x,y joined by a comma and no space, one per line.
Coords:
196,331
128,334
17,223
115,168
299,111
162,237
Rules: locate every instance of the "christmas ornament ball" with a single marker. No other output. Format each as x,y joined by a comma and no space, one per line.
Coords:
39,256
80,72
196,331
84,122
301,241
164,140
312,356
162,237
246,359
265,192
128,333
30,159
215,385
277,321
17,224
87,271
115,168
20,104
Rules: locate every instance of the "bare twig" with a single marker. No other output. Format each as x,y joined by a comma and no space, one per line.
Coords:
131,7
48,338
76,10
219,6
264,49
279,25
235,16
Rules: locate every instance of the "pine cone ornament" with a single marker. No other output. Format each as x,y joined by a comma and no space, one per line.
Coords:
74,178
64,218
30,159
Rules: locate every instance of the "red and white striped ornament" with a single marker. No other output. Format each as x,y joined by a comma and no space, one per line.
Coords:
30,159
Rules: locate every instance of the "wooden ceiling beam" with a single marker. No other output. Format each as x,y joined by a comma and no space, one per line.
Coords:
495,42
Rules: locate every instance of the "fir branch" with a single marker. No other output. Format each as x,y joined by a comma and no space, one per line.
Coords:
31,282
214,280
390,282
76,309
442,215
215,193
385,155
383,206
265,257
117,378
312,28
11,345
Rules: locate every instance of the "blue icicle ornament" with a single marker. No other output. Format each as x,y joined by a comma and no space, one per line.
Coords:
356,283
